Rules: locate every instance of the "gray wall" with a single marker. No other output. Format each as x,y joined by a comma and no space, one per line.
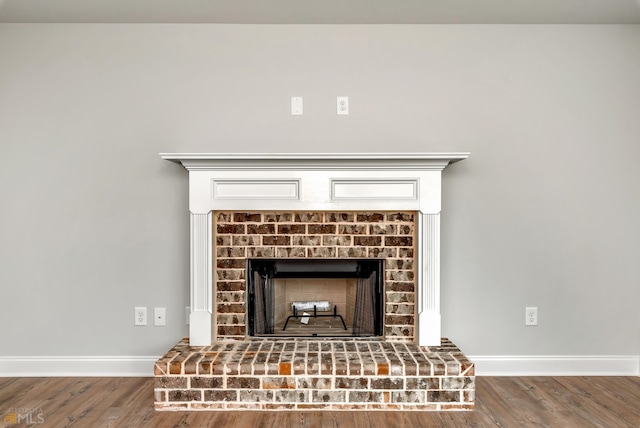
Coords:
544,213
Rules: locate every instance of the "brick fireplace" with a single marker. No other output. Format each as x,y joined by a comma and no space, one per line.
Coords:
315,207
315,235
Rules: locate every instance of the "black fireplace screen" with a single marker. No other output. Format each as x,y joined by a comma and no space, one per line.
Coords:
368,305
263,302
364,320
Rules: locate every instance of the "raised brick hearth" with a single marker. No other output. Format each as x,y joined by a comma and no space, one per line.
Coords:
314,374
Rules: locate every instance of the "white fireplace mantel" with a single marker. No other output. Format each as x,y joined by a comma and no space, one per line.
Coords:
311,181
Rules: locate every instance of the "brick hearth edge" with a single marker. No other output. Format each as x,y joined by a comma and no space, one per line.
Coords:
314,374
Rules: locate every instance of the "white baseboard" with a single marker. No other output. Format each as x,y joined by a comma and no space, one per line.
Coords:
556,365
111,366
486,365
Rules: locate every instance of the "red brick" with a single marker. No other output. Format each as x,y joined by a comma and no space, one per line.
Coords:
367,241
247,217
233,229
369,217
261,229
322,229
276,240
285,369
292,229
398,241
231,263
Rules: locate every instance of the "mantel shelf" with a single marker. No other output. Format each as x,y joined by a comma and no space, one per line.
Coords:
315,161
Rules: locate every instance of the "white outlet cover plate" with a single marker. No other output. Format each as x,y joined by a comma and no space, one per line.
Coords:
140,315
531,316
342,105
296,106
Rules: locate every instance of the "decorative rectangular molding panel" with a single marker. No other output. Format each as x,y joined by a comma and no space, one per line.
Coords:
256,189
345,189
315,182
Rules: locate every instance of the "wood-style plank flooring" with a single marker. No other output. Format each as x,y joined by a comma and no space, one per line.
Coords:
609,402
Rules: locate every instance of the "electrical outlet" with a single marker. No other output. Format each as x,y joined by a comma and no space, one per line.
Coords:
531,316
342,105
159,317
140,315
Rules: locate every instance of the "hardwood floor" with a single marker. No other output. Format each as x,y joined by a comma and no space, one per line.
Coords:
609,402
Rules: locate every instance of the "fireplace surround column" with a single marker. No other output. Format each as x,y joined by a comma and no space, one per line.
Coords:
429,278
315,182
201,317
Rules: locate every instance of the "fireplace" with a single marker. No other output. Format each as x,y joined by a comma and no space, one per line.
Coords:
315,298
288,252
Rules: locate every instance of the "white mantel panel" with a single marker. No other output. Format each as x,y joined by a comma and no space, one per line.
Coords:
200,192
430,192
314,190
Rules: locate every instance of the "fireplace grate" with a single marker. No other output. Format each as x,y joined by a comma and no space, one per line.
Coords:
315,315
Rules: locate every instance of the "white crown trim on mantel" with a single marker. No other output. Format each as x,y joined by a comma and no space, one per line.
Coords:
315,182
315,161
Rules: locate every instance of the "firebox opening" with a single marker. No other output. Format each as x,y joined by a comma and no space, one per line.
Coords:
315,297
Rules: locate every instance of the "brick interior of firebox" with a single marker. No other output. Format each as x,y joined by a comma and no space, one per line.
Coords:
338,292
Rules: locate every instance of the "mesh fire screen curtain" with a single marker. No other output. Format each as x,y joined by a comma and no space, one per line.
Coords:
365,306
264,305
